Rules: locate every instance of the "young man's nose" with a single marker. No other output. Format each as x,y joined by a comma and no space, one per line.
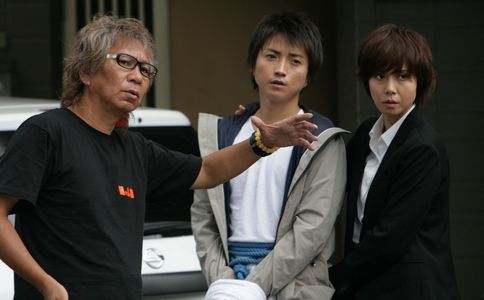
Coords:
281,67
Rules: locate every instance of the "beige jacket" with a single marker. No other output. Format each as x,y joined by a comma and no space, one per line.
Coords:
297,268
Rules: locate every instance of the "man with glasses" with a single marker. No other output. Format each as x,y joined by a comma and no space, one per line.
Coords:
78,184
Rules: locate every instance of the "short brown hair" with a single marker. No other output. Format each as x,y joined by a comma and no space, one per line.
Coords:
91,46
389,48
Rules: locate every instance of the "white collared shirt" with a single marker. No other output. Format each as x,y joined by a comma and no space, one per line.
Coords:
379,143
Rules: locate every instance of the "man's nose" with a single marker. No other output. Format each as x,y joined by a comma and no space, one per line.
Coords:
281,67
135,75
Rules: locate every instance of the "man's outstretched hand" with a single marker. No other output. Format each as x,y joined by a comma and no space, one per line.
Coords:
292,131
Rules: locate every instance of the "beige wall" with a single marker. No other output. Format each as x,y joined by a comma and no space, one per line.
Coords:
209,41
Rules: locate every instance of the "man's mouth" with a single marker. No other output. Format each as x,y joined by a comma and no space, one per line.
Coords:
134,92
278,82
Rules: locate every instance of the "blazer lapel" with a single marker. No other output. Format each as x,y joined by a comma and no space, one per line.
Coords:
358,150
376,197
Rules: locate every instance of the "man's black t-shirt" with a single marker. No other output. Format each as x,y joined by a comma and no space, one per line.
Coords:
82,202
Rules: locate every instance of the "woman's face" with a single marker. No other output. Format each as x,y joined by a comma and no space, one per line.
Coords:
393,94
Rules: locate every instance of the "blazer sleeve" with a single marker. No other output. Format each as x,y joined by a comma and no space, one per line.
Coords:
313,222
409,194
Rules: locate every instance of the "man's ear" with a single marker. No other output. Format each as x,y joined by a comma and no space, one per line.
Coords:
86,79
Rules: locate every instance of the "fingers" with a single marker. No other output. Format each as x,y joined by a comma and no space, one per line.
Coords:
305,140
306,125
240,110
301,121
304,143
295,130
309,136
302,117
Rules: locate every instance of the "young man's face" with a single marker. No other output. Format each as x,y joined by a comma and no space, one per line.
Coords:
393,94
118,89
280,70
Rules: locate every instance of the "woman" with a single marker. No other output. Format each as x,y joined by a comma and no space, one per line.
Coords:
397,235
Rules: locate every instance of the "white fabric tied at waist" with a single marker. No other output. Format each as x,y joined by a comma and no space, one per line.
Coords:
234,289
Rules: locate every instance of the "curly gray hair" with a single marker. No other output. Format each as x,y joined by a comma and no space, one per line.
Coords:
91,46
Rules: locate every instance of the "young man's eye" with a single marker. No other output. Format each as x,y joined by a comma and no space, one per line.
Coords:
379,76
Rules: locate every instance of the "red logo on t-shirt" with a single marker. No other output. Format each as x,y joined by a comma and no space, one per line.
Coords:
128,192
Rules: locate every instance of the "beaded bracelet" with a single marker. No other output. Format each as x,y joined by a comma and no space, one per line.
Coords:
258,146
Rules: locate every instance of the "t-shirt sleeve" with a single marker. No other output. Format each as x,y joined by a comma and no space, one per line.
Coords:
25,162
170,171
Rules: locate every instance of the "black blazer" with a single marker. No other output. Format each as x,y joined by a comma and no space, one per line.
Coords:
404,250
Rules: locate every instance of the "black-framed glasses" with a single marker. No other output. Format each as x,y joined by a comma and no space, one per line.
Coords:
130,62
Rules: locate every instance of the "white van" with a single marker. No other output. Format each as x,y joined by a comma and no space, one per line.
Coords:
170,267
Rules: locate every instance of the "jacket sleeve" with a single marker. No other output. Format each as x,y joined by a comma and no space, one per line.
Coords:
209,245
210,249
410,193
312,223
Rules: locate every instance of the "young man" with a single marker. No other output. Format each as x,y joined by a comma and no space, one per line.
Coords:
397,236
270,230
78,184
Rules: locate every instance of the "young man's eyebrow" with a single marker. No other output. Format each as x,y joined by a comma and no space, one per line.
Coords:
292,54
299,55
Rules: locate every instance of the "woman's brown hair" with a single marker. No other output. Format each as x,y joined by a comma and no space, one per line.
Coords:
389,48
